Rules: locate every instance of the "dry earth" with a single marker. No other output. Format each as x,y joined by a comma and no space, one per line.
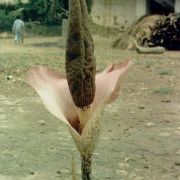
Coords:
140,139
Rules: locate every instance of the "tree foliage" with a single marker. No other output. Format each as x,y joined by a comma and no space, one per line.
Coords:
43,11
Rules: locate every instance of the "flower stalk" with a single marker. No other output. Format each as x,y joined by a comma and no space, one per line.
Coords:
86,167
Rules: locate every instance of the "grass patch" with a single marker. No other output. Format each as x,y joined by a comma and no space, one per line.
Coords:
163,90
146,63
165,72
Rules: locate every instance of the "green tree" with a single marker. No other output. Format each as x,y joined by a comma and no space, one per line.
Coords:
44,11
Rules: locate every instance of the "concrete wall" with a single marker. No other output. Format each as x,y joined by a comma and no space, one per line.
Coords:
117,12
141,6
177,6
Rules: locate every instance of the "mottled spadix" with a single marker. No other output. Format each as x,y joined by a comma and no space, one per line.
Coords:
80,60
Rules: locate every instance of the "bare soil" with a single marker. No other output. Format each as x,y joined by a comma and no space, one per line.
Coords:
140,139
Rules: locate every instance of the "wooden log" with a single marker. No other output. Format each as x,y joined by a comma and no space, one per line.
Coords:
148,50
162,31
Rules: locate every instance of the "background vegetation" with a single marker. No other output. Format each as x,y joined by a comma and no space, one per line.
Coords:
40,12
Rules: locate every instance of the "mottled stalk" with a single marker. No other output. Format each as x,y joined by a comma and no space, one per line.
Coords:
86,167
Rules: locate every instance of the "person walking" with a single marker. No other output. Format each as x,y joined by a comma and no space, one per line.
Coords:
18,30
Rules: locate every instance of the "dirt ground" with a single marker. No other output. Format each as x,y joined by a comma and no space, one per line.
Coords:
140,139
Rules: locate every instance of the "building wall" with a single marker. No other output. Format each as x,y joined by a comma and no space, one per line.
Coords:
141,8
117,12
177,6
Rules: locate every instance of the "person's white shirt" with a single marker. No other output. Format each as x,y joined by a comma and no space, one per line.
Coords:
18,25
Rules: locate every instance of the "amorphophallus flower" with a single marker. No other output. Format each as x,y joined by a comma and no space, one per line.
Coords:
78,99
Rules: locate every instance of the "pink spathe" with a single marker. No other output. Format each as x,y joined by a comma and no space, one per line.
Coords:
84,124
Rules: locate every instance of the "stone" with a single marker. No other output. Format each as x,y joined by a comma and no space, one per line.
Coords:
123,165
121,172
178,128
42,122
9,77
150,124
126,159
64,171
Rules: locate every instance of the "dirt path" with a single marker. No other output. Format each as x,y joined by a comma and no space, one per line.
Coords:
140,139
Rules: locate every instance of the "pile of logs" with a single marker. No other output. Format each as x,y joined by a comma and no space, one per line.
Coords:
152,31
167,34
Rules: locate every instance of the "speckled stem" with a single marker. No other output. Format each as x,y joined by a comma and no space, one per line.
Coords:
86,167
